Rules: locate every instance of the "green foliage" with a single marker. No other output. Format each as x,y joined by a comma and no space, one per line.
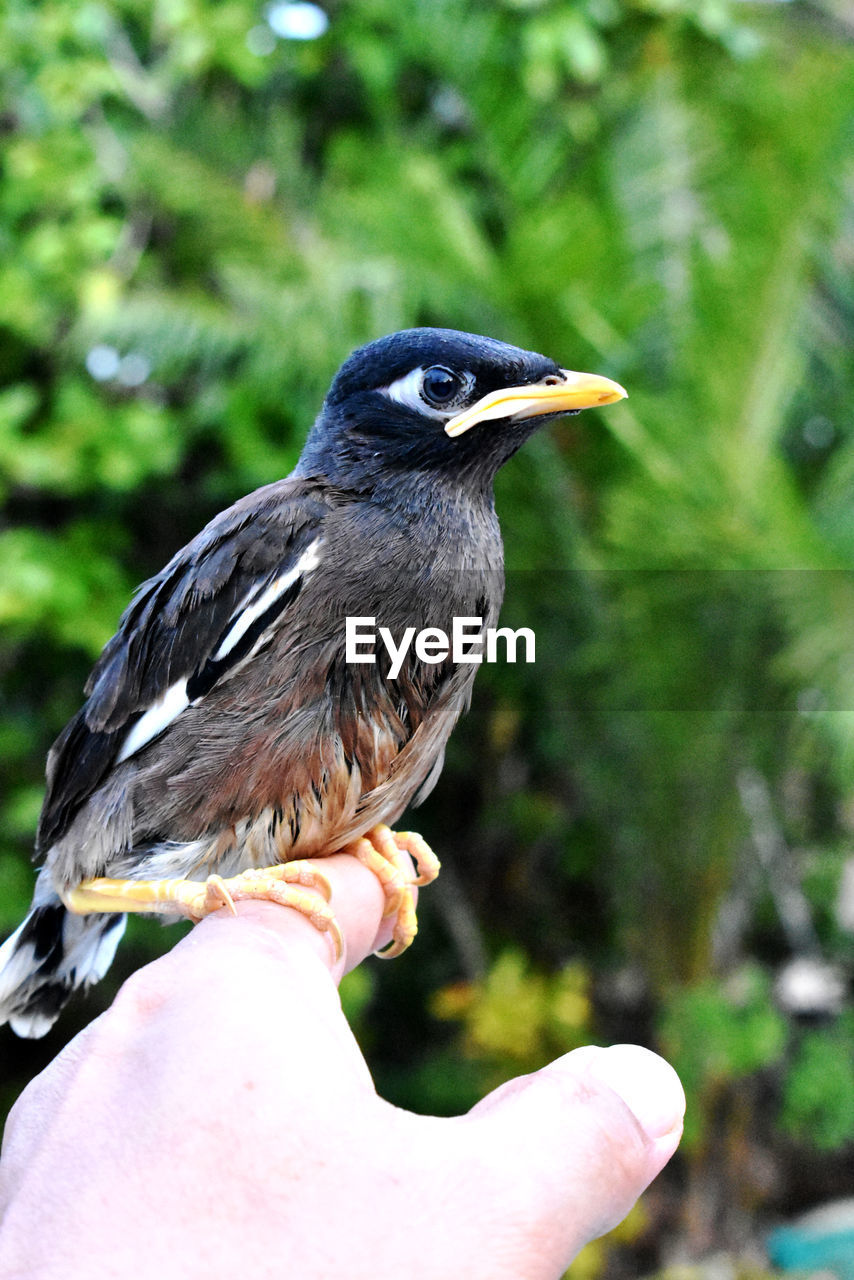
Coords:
817,1106
655,189
718,1035
515,1020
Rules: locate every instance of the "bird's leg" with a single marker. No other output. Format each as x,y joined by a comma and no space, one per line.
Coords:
288,883
384,851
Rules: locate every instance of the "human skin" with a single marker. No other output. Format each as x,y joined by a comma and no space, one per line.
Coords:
219,1119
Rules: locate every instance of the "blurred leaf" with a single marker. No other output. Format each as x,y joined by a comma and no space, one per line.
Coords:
819,1087
718,1034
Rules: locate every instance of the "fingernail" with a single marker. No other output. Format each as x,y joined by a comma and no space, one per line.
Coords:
647,1084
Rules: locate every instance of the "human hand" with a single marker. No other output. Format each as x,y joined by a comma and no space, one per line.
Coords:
220,1120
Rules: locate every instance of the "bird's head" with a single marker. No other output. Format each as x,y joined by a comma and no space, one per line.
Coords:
434,401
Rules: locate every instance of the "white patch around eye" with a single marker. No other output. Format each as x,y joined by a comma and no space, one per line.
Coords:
153,721
407,391
249,609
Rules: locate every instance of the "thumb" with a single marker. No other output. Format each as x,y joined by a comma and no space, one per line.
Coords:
580,1140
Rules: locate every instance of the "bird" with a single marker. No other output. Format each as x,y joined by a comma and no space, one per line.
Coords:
227,743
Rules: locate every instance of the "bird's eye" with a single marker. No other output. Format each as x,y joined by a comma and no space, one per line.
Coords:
440,387
434,392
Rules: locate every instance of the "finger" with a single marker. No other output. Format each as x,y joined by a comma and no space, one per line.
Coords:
586,1135
260,977
357,902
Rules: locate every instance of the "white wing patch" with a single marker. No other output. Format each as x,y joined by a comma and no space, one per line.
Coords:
155,719
252,607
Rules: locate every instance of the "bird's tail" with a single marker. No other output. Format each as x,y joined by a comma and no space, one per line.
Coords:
48,957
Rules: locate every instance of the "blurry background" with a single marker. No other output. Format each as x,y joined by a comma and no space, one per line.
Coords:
647,835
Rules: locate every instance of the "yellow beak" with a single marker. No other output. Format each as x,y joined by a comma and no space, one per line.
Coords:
560,393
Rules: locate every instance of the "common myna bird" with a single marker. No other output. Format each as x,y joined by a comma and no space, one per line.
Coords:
227,737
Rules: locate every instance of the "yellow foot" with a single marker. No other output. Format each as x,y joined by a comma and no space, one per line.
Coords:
288,883
383,852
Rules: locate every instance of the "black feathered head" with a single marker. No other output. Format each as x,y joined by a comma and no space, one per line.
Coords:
439,401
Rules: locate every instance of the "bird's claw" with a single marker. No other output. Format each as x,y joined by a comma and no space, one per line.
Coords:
384,851
217,895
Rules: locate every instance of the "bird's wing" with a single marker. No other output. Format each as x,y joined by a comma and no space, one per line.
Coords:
207,611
